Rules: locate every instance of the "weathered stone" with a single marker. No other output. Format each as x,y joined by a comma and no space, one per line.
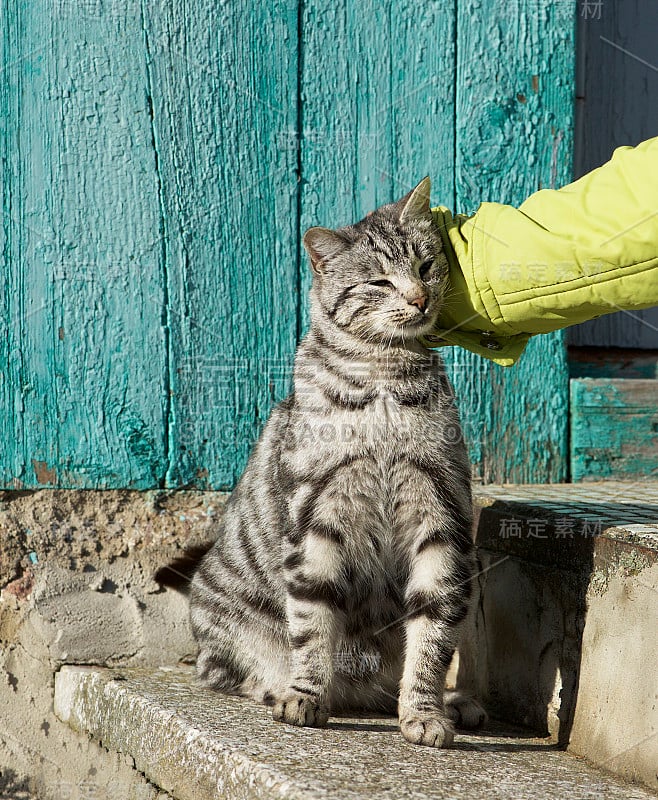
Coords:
40,757
82,529
563,632
88,578
200,745
616,716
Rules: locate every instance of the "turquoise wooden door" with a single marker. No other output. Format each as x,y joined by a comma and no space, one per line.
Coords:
159,164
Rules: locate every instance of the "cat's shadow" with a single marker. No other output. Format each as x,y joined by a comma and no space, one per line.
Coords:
518,740
506,747
374,726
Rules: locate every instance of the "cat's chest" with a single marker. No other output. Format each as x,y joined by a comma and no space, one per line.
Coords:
383,425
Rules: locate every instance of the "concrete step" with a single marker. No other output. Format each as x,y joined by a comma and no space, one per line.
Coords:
198,745
563,633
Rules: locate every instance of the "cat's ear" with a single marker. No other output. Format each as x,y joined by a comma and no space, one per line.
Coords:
416,203
322,244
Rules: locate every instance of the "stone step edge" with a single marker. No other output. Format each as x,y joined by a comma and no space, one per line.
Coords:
190,766
533,532
145,714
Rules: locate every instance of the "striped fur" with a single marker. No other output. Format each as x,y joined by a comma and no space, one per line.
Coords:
343,570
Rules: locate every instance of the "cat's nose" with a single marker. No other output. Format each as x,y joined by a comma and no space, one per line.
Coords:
420,302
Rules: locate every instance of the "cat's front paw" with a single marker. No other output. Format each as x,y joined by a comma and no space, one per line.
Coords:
463,710
431,729
299,709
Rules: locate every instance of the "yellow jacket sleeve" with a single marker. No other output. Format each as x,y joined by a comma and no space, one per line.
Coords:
564,256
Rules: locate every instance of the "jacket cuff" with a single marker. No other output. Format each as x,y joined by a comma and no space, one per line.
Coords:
466,319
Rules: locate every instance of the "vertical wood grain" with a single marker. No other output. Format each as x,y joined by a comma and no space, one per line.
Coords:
83,397
514,135
160,162
224,84
617,105
10,417
377,107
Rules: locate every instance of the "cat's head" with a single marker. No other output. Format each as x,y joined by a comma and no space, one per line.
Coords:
382,278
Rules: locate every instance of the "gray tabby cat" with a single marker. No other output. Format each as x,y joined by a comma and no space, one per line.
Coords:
343,569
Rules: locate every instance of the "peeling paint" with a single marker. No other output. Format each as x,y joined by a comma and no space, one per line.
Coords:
83,283
613,432
157,374
43,473
515,421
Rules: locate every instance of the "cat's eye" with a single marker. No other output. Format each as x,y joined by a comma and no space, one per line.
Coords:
382,282
425,268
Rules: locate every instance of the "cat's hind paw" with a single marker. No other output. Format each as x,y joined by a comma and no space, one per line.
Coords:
299,709
430,729
464,711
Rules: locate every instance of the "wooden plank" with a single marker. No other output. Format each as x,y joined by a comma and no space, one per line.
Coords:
224,87
606,362
514,135
10,416
153,295
84,393
617,89
631,329
614,428
617,79
377,107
